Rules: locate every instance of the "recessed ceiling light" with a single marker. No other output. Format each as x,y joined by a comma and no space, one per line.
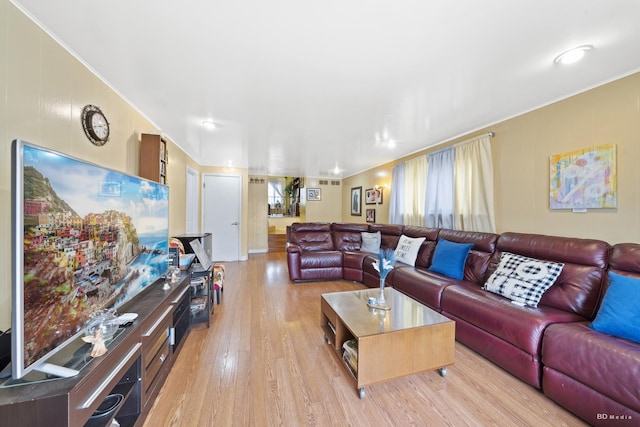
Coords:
573,55
210,124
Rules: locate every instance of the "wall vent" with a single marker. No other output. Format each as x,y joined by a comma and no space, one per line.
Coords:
335,182
324,182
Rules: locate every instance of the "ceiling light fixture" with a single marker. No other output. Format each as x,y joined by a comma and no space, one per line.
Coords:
573,55
210,124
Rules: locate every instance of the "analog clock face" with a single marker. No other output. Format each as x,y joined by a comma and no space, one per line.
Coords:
95,125
100,126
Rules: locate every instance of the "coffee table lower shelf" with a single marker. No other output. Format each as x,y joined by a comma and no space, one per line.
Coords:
391,353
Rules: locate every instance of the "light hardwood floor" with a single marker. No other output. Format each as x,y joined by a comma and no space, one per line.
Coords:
263,362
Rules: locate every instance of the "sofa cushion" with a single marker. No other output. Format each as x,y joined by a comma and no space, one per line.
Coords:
321,259
602,362
390,234
522,327
407,250
370,242
346,236
578,289
421,284
428,246
449,258
619,313
312,236
484,244
523,279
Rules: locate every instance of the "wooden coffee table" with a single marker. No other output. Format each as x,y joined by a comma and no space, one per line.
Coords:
405,340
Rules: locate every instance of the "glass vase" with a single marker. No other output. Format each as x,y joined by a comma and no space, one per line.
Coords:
381,299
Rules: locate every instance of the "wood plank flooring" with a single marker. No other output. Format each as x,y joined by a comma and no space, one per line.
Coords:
263,362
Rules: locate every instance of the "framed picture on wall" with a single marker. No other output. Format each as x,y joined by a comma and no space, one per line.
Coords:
356,201
314,194
373,196
371,215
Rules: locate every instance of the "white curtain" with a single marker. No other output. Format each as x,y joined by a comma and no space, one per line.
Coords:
414,190
396,202
439,203
474,186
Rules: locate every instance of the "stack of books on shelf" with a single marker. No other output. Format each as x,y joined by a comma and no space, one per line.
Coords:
350,355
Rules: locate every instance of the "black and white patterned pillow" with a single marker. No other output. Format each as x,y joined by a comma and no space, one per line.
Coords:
522,279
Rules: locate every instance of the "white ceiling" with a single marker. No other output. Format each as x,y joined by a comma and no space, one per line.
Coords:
301,87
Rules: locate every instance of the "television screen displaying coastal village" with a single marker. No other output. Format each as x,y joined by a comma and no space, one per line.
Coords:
93,238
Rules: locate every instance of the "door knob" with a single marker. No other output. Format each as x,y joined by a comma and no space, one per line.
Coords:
234,223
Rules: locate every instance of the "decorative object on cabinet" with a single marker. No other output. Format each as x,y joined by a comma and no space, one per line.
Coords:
154,158
206,241
95,125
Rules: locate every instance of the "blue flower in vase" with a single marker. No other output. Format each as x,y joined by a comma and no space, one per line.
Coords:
386,259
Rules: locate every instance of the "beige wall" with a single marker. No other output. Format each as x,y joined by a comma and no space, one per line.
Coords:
43,91
609,114
325,210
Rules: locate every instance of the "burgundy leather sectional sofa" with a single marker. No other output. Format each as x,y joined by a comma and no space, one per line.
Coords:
551,347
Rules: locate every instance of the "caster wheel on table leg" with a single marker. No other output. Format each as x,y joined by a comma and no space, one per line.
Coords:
443,372
361,392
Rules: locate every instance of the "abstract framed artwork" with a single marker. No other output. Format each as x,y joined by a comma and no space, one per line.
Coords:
314,194
356,201
584,179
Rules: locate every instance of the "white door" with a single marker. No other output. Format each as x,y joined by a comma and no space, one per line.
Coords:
222,207
192,201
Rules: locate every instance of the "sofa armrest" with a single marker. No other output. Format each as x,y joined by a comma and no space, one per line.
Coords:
294,248
294,262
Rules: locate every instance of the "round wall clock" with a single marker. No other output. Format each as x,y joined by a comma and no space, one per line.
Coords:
95,125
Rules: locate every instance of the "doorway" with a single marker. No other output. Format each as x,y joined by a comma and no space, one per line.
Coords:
222,211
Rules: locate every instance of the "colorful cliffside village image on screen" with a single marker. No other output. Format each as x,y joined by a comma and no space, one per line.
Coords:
93,238
583,179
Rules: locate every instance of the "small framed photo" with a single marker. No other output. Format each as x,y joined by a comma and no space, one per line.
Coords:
314,194
373,196
371,215
356,201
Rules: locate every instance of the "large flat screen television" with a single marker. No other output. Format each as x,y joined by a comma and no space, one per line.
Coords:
85,238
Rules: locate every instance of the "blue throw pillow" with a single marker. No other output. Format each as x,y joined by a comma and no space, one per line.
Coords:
449,258
619,313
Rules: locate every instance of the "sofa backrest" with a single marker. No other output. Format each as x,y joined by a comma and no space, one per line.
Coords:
624,259
484,245
426,249
390,234
348,237
579,286
312,236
